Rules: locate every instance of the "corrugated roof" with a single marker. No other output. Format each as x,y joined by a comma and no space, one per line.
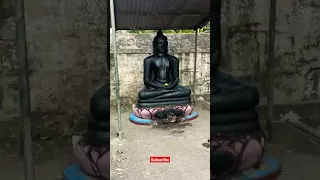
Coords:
164,14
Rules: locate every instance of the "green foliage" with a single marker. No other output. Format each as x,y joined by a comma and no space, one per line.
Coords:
206,28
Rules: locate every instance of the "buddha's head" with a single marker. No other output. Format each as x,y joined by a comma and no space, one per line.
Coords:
160,43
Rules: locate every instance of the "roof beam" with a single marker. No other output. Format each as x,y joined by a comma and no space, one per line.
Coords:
202,23
162,14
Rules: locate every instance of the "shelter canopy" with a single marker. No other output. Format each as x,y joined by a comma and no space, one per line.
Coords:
164,14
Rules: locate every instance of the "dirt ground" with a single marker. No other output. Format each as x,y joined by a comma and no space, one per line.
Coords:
51,158
190,160
298,153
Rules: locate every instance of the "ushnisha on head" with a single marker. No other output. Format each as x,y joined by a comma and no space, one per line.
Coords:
160,43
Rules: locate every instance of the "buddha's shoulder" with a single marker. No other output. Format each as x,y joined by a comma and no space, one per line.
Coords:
149,58
171,57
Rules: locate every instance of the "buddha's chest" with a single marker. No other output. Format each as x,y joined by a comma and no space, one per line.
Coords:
161,63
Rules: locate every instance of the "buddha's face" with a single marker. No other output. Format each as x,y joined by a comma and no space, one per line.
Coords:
161,45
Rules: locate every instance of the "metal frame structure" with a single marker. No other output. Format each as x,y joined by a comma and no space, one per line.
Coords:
270,73
23,74
24,91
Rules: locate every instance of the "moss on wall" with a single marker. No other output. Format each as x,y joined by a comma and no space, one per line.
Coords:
6,10
1,13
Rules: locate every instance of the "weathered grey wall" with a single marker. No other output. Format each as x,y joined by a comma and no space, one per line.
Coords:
245,30
133,48
67,55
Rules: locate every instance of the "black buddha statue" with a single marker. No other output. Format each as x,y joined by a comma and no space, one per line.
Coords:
161,78
99,126
233,105
237,142
92,150
233,102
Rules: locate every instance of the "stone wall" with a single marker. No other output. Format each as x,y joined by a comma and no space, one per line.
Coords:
67,52
67,55
245,31
133,48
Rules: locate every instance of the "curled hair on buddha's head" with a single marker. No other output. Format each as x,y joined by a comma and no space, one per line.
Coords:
158,36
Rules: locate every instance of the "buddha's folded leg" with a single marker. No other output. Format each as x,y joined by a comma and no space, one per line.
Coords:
177,93
148,94
221,80
152,100
247,127
235,99
222,161
229,94
98,134
163,93
182,87
157,104
234,117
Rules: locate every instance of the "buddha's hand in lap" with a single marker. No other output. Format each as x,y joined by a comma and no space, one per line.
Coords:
171,88
167,88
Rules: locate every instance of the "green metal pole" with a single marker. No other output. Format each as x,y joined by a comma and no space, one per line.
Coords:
270,71
114,39
195,67
24,90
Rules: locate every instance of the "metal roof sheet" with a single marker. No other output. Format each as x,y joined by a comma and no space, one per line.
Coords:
164,14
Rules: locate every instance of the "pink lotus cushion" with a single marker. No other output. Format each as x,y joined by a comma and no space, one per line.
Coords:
93,162
247,150
150,113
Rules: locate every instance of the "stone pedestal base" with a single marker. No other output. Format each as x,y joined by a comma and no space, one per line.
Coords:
269,169
154,113
75,172
93,161
233,154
